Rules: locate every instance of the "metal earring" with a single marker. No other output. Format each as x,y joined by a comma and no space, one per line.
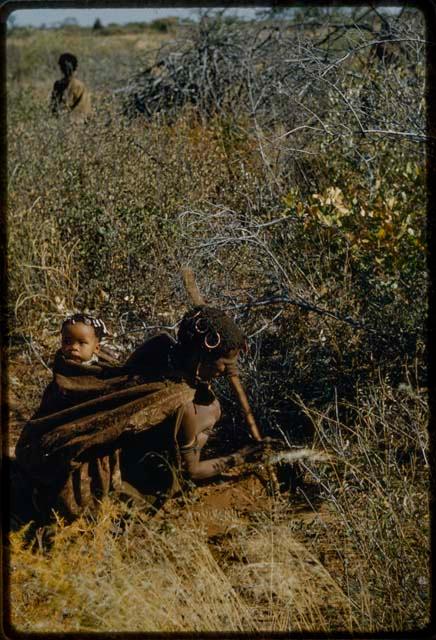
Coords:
201,325
212,346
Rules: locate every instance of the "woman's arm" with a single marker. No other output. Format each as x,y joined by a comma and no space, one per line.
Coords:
196,419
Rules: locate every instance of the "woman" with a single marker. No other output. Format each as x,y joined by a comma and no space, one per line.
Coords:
158,406
208,345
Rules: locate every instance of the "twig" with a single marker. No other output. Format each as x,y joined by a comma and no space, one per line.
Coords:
266,325
306,306
35,352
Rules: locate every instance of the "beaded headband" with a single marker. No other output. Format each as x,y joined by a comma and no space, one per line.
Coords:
98,325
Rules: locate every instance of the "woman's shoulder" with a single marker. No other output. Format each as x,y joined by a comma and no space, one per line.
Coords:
153,356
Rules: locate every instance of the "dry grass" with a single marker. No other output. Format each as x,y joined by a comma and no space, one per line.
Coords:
140,583
154,576
279,568
287,587
378,493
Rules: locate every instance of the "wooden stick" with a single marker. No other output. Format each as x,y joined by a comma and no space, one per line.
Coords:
243,401
191,286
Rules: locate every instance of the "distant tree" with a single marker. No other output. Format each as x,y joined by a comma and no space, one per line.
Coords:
97,24
69,22
163,24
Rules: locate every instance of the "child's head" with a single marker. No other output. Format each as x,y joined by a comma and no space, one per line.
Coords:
67,63
81,335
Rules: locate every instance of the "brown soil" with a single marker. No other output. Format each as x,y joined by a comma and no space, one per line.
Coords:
220,506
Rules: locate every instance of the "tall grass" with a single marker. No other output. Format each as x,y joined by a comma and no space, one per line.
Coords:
378,493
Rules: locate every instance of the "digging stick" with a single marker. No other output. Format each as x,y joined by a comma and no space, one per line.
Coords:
243,402
191,287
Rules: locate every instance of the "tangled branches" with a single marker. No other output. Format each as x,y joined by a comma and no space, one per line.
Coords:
299,83
214,236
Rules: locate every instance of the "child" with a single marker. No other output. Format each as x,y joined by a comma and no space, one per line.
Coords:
69,93
82,374
81,335
78,360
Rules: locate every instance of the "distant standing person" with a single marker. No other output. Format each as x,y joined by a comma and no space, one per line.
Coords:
69,93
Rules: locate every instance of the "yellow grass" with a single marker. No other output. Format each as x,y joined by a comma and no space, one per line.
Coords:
154,576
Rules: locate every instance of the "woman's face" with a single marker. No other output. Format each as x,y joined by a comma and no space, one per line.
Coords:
209,369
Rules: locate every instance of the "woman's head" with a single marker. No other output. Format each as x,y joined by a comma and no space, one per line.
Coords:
213,337
67,63
80,337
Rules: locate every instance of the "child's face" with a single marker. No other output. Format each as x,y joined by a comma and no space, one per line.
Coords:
79,342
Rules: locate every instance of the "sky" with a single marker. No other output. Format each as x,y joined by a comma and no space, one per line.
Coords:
87,17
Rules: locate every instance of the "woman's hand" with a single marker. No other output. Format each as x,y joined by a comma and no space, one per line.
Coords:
253,452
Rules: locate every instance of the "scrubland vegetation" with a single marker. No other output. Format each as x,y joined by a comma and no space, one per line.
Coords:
284,161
